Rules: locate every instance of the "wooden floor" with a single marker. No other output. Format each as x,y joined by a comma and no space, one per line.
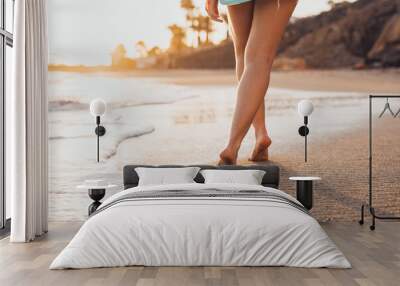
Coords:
375,257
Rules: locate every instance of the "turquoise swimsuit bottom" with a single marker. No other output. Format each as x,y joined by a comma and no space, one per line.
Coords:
233,2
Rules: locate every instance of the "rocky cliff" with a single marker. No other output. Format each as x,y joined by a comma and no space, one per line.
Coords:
360,34
365,32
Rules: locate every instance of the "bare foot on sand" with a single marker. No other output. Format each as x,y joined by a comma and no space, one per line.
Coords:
227,157
260,152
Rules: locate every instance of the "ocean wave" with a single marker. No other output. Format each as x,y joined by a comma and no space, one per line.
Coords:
126,136
282,102
117,140
76,104
127,104
68,137
67,105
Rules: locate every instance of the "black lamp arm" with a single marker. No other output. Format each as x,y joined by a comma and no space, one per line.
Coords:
304,131
100,131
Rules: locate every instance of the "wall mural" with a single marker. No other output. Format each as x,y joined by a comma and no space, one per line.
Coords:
166,73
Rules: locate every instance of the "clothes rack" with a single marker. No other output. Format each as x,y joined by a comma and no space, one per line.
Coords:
369,205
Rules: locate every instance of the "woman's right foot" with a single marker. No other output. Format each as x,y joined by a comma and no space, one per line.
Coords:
260,152
227,157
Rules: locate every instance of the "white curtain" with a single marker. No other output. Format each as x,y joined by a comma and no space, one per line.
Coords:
27,123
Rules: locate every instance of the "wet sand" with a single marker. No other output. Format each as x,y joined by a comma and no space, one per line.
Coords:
342,163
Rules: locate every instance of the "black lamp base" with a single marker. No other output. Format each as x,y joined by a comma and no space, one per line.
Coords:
304,131
96,195
100,130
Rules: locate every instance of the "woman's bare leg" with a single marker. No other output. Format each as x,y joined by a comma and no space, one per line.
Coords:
240,20
267,28
263,141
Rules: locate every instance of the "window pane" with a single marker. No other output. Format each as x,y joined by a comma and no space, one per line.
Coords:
1,14
2,197
8,86
10,15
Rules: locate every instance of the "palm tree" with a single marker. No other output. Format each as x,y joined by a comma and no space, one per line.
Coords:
224,16
189,7
206,27
202,24
197,28
154,51
118,55
141,49
177,43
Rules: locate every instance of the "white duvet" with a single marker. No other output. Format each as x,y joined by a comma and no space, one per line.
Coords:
202,232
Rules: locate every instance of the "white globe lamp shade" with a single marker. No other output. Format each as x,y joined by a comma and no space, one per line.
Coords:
305,107
97,107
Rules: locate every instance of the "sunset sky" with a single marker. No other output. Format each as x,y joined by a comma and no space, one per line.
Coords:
86,31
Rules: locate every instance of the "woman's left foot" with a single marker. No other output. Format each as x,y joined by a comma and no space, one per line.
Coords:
260,152
227,157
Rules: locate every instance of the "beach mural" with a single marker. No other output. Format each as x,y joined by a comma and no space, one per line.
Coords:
166,73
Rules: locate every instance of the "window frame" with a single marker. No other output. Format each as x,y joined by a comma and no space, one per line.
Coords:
6,39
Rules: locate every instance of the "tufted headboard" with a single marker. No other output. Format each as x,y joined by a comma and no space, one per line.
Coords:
271,177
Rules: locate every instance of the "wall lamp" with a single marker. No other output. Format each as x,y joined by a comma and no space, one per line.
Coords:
305,108
97,109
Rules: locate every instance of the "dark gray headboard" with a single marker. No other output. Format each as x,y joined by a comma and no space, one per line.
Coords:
271,177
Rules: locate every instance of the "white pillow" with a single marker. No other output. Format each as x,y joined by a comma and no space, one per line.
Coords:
165,176
248,177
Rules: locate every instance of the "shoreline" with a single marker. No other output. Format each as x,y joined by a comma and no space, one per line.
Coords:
347,80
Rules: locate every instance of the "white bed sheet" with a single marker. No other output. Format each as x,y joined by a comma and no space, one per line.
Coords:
200,232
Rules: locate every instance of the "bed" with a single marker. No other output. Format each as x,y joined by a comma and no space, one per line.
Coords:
201,224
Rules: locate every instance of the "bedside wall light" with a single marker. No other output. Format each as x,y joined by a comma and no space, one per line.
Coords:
97,109
305,108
